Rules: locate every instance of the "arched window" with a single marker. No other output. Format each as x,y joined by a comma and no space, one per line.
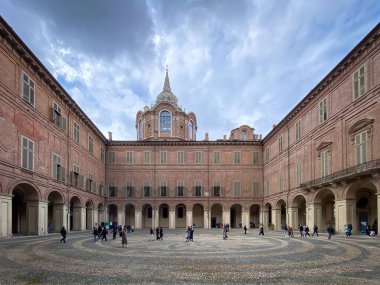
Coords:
140,130
165,121
243,136
191,128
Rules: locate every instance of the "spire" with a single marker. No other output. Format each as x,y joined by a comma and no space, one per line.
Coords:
167,82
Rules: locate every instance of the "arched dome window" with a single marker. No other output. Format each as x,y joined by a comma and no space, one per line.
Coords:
243,136
140,130
165,121
191,130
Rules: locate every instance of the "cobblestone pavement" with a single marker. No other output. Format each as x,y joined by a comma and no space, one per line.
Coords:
241,259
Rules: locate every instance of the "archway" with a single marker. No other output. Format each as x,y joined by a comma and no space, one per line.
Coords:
112,213
129,215
236,216
89,215
25,210
324,205
100,213
163,214
216,215
75,214
279,214
198,215
180,216
147,216
254,216
297,212
56,212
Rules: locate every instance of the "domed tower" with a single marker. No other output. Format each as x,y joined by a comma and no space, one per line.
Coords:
166,120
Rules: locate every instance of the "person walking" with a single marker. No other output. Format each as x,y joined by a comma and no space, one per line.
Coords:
347,230
307,231
225,232
245,229
63,234
114,232
124,240
104,234
158,233
330,231
261,233
301,230
315,230
161,234
151,235
95,233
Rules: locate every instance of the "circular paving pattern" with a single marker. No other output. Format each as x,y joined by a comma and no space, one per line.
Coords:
241,259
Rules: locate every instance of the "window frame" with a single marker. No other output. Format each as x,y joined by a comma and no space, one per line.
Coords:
76,132
31,84
361,148
29,151
217,157
237,157
90,144
323,110
361,88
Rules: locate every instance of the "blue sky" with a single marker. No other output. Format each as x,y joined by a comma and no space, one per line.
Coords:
230,62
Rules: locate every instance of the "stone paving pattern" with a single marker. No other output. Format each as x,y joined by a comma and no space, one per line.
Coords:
250,259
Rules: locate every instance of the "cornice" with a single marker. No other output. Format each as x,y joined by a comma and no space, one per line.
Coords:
184,143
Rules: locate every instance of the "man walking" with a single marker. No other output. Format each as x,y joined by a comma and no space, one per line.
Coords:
315,230
63,234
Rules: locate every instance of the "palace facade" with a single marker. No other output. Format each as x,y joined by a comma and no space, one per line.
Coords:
319,165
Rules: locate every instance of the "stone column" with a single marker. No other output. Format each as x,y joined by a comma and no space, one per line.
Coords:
264,218
59,217
340,215
138,219
36,215
245,218
83,218
156,218
77,218
293,217
171,219
276,218
226,217
121,217
95,220
189,217
206,219
5,216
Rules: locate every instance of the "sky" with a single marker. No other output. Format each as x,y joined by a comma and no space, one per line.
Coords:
232,63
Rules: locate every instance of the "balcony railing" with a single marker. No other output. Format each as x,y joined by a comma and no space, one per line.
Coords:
351,172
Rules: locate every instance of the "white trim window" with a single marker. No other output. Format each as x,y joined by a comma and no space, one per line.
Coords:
163,157
27,153
76,131
255,188
298,174
58,170
146,157
280,144
237,159
180,157
255,158
298,130
361,146
57,117
243,136
198,157
165,121
28,88
237,188
191,130
198,189
102,154
266,154
91,144
359,79
129,157
164,189
180,189
111,157
281,182
324,157
217,189
216,157
323,108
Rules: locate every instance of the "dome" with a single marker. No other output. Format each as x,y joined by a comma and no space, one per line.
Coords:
167,95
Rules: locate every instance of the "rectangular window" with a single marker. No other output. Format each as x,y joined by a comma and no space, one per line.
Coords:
27,154
216,157
255,189
129,157
280,144
237,157
76,132
90,144
237,189
180,189
28,89
359,78
58,170
164,189
255,157
267,154
217,189
298,130
198,157
281,182
298,174
77,180
111,157
146,189
198,189
91,185
323,110
102,154
361,147
128,190
146,157
181,157
163,157
324,157
112,189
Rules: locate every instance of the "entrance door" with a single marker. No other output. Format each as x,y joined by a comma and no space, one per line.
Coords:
363,221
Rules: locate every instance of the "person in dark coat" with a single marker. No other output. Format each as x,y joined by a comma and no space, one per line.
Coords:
104,234
330,231
157,233
124,240
95,233
63,233
245,229
261,233
161,234
315,230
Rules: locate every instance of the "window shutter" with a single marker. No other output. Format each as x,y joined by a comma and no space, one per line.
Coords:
55,169
93,186
80,181
72,178
64,124
88,184
62,174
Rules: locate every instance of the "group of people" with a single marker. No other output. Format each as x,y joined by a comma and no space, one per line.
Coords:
158,236
304,230
102,232
190,233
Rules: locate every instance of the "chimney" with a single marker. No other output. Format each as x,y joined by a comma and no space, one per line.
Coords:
110,136
224,137
206,137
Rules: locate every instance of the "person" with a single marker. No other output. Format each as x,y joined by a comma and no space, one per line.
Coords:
290,231
157,233
191,233
161,234
330,231
151,235
301,230
104,234
261,231
63,234
307,231
124,240
225,232
346,231
245,229
315,230
95,233
114,232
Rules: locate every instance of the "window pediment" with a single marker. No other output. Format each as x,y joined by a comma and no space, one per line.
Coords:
323,146
359,126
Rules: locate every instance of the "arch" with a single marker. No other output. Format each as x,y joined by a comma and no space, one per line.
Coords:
165,121
216,215
56,211
75,223
147,216
297,211
140,130
89,215
254,215
130,211
163,214
279,213
268,214
180,216
236,219
25,208
198,215
324,203
112,213
100,213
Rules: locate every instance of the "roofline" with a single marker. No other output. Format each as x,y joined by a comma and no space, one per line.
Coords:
183,143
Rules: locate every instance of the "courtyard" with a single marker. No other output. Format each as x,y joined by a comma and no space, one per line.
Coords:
241,259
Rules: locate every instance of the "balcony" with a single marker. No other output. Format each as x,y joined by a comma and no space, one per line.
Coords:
357,171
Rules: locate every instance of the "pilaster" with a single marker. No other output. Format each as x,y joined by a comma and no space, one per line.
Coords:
5,216
293,216
189,217
138,219
171,219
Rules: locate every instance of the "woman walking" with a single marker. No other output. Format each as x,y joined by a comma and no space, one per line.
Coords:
124,240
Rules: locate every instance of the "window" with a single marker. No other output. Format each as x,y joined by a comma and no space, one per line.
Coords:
129,157
217,189
28,89
216,157
140,131
281,182
91,184
198,189
280,144
359,78
243,136
180,189
181,157
58,170
324,157
112,189
57,117
102,154
237,157
255,157
146,189
298,174
191,130
255,189
163,189
111,157
146,157
267,154
90,145
198,157
128,190
27,156
361,147
323,110
76,132
163,157
165,121
77,180
298,130
236,188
